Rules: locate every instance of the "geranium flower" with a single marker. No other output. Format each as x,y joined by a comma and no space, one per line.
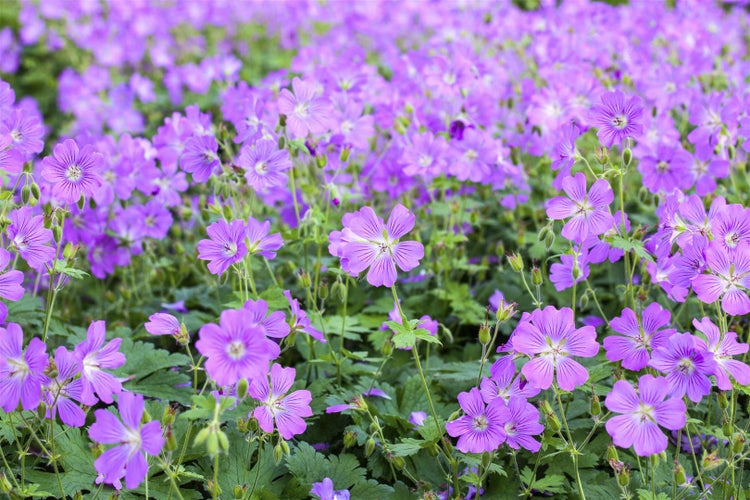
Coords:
324,491
305,111
63,393
163,324
640,337
21,373
134,441
11,281
687,366
73,173
30,238
274,325
550,337
236,348
728,278
367,242
94,356
225,246
723,348
259,241
588,212
618,117
286,410
642,414
482,428
521,422
265,165
300,321
200,157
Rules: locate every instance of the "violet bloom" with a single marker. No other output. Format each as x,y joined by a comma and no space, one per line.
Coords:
30,238
588,212
21,373
274,326
286,410
617,117
728,278
265,165
642,414
200,157
425,156
565,152
731,226
572,269
550,337
482,428
522,422
94,356
134,441
259,241
504,384
11,160
687,366
235,348
666,169
368,242
73,173
417,418
163,324
324,491
25,129
225,246
305,111
723,348
640,336
63,393
300,321
11,282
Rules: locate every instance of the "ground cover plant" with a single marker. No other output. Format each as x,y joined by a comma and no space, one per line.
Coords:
374,250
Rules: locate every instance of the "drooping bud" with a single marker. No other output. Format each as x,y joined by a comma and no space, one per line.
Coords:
723,402
679,474
627,157
596,406
516,262
369,446
242,388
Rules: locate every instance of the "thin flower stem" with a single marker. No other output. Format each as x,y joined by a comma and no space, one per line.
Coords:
257,471
537,302
214,492
574,452
486,350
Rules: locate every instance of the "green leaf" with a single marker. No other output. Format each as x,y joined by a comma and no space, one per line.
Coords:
150,371
62,268
553,483
628,245
407,447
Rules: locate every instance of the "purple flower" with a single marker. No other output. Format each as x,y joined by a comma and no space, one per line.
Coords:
617,117
723,348
666,169
265,165
324,491
30,238
731,226
274,326
504,384
368,242
25,129
305,111
588,212
94,356
642,414
21,373
640,337
417,418
134,441
286,410
163,324
11,160
11,287
300,321
482,427
225,246
550,337
425,156
687,366
564,155
728,278
572,268
259,241
235,348
200,157
73,173
63,393
522,422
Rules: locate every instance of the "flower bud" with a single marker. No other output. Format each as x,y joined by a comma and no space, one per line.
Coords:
731,152
344,156
612,453
486,459
448,446
723,402
304,279
679,474
69,251
711,461
549,241
602,155
238,491
627,157
623,477
738,443
82,203
278,454
168,416
25,194
398,462
536,276
584,302
374,426
338,291
213,488
596,406
484,333
369,446
323,289
321,160
5,485
242,388
387,348
285,447
57,233
350,439
516,262
170,444
505,311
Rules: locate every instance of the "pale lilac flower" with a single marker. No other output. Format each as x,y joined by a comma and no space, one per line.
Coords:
640,337
63,393
259,241
482,428
265,165
134,442
728,278
11,282
588,213
163,324
324,491
30,238
618,117
300,321
200,157
73,173
305,111
274,325
225,246
522,422
642,414
550,338
94,356
285,410
723,347
21,373
686,365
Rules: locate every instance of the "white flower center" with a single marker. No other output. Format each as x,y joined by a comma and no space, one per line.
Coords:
73,173
236,350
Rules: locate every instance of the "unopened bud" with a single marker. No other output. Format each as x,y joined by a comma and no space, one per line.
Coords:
170,444
239,491
25,194
486,459
549,240
723,402
505,311
398,462
285,447
57,233
369,446
82,203
213,488
484,334
679,474
387,349
612,453
738,443
536,276
278,454
623,477
350,439
304,279
711,461
282,142
731,152
321,160
323,290
242,388
69,251
516,262
584,301
344,156
602,155
5,485
596,406
627,157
